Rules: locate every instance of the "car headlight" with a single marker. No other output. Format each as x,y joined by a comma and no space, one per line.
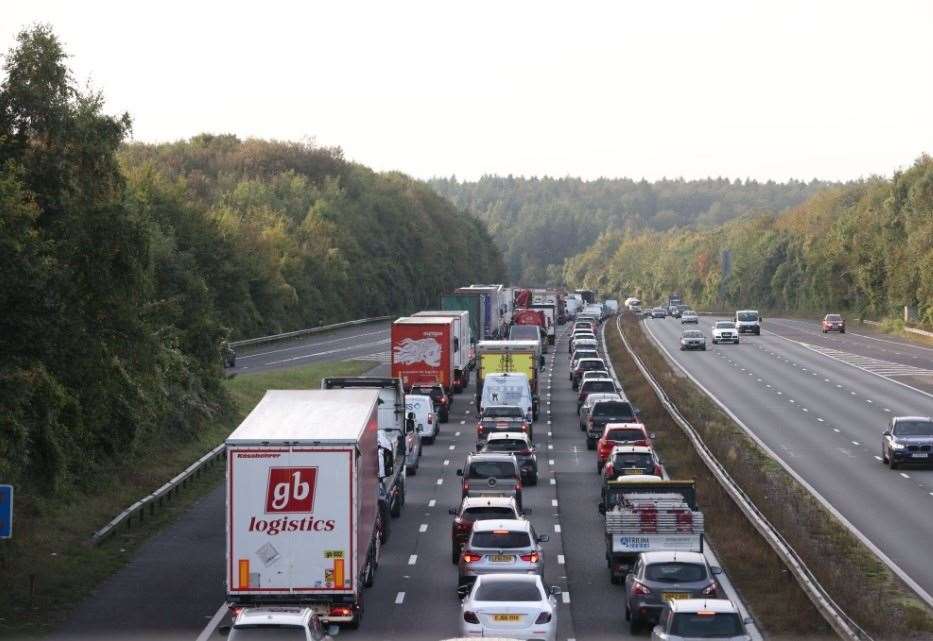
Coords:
897,446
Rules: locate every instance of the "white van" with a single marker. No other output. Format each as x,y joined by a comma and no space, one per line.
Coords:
508,389
422,406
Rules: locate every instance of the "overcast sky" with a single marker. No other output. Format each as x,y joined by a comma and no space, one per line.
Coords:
639,88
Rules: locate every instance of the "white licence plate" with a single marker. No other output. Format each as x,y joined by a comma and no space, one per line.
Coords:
920,455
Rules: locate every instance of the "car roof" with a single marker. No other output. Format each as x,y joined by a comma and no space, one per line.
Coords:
898,419
272,616
599,380
591,358
507,576
502,436
631,449
695,605
488,501
605,397
488,525
492,456
669,556
624,426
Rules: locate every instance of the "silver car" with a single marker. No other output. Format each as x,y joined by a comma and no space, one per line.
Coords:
693,339
491,474
689,316
659,577
506,545
691,619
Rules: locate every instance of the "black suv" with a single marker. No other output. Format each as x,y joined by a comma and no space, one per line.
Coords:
909,439
438,396
605,412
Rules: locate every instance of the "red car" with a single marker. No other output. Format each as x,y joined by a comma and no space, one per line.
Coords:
833,323
620,434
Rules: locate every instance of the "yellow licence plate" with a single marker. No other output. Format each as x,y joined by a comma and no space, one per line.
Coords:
506,617
673,596
502,558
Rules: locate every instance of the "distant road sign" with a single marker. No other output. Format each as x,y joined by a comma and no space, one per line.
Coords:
6,511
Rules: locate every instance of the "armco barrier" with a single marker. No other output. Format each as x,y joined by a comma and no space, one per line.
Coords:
306,332
844,626
138,510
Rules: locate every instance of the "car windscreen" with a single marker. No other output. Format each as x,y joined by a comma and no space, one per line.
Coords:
747,317
624,435
693,334
585,353
502,412
833,317
500,539
594,364
599,386
524,332
267,633
724,325
487,512
703,626
511,394
618,409
675,572
631,459
491,469
508,591
913,428
506,445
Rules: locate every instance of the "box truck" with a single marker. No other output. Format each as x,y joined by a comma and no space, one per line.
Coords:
464,356
475,306
505,357
303,521
496,310
424,351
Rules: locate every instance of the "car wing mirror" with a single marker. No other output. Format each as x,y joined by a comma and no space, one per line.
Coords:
463,591
543,538
555,590
460,472
747,621
453,511
602,508
652,436
716,569
886,433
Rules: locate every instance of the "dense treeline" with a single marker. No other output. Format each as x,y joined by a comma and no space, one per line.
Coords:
865,248
124,267
539,222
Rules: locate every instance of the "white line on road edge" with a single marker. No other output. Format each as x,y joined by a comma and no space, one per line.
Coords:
565,595
213,623
412,559
916,587
423,527
432,502
400,598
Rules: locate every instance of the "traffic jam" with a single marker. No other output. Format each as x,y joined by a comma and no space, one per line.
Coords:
311,500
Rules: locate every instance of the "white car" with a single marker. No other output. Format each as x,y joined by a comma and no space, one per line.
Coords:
725,332
422,406
512,606
692,619
256,624
689,316
692,339
594,373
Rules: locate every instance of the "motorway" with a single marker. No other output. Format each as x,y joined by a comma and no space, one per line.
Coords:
820,403
174,585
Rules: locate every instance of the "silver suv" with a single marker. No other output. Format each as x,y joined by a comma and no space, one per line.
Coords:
491,474
497,546
659,577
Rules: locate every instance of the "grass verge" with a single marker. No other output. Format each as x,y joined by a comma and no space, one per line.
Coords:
49,565
855,578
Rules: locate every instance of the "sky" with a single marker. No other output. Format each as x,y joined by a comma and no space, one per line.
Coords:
635,88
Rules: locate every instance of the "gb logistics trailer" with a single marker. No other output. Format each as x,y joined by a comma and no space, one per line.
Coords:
302,502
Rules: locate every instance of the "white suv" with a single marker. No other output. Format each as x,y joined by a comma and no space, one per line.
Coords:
725,332
278,623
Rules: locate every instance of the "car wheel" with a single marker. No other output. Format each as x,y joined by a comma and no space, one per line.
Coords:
599,467
884,456
445,417
590,444
533,479
842,331
428,440
634,624
891,462
411,470
454,556
616,580
628,614
703,349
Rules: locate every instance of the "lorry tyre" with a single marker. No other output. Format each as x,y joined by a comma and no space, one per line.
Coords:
354,624
384,522
397,506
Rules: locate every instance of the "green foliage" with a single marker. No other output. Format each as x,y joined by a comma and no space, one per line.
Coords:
866,248
540,222
125,266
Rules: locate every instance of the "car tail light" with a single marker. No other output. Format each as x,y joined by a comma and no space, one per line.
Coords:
341,611
523,452
461,525
544,617
470,617
430,418
518,486
480,429
524,427
471,557
443,400
640,589
466,486
589,421
531,557
710,590
235,612
657,470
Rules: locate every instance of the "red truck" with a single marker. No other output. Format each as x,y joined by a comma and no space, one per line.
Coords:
530,317
423,351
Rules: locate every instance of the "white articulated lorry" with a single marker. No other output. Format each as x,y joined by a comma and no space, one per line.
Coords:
303,522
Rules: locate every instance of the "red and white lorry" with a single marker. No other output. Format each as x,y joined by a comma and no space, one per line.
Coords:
423,350
464,347
303,523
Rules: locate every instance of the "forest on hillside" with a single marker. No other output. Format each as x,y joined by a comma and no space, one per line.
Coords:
539,222
865,248
125,266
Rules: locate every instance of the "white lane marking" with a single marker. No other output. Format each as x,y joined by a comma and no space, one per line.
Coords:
877,458
852,393
550,447
836,430
868,400
412,559
446,461
549,421
804,409
780,393
560,557
456,433
452,447
557,528
400,598
293,348
440,481
792,400
432,502
217,618
553,481
553,502
550,461
887,410
549,435
825,380
462,422
855,443
467,412
767,385
905,475
326,353
838,385
423,527
565,596
819,419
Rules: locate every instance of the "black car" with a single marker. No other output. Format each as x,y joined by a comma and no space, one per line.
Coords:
909,440
438,396
605,412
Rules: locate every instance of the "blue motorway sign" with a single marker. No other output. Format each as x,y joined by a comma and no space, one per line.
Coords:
6,511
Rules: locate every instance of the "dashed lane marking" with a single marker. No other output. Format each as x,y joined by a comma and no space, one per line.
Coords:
878,458
446,461
412,559
557,528
452,447
819,419
423,527
440,481
855,443
400,598
550,461
554,502
906,476
432,502
553,481
565,596
560,557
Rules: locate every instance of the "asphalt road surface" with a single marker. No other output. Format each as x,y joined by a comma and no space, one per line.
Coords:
820,403
174,586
